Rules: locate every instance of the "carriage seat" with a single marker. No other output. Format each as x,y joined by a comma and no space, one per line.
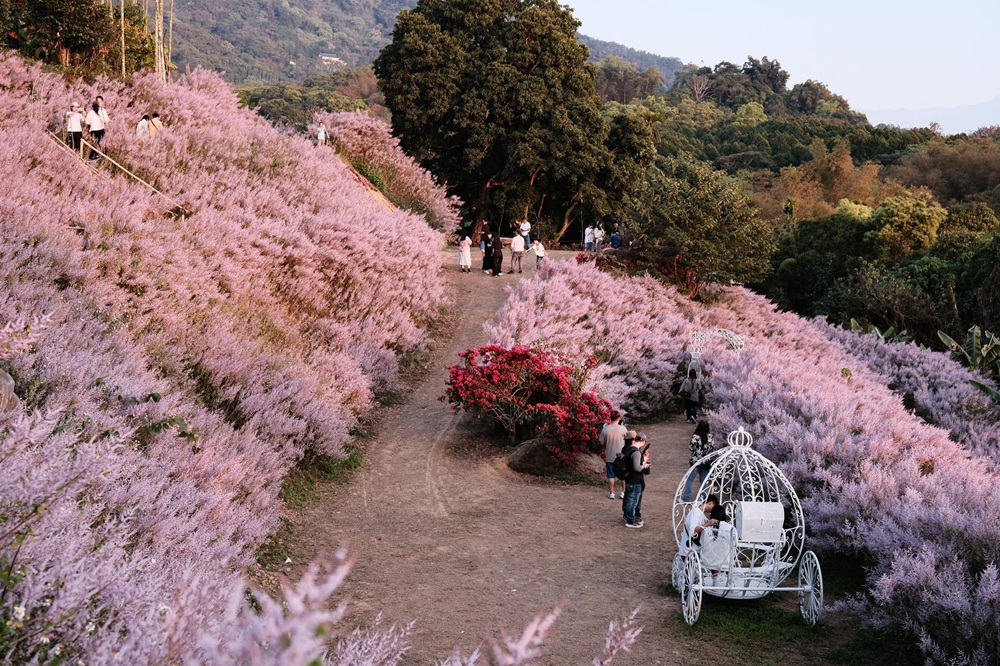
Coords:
760,522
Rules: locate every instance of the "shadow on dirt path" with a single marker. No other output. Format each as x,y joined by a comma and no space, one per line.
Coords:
468,548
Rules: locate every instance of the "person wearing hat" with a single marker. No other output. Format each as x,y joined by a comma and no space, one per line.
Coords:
635,482
74,127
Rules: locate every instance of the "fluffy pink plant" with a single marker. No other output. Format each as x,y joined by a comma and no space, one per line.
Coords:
635,327
367,141
193,354
938,386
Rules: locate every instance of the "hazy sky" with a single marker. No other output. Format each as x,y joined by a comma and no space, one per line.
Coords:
878,54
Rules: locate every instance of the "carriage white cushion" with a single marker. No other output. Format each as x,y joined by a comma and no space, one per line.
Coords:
760,522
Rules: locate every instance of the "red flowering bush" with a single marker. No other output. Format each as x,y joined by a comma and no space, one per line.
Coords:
523,387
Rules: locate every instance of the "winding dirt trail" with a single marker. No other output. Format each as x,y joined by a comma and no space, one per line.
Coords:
468,548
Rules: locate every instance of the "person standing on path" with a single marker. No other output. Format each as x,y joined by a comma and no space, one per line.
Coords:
74,128
613,438
103,112
516,252
701,445
588,239
635,482
525,230
465,253
95,126
598,238
497,255
321,134
486,247
691,392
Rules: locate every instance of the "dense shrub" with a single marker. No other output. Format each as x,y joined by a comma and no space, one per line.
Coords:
367,143
521,387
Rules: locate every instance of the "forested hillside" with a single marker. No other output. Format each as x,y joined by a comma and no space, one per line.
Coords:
641,60
261,39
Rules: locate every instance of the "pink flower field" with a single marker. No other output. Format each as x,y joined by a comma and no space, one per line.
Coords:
196,345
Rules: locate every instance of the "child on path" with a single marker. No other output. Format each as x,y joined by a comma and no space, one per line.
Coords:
539,251
465,253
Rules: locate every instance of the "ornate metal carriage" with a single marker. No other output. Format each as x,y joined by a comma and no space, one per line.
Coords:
757,549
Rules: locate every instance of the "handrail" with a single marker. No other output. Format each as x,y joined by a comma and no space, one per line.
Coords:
104,155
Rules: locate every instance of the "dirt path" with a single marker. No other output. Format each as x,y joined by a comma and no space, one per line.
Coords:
468,548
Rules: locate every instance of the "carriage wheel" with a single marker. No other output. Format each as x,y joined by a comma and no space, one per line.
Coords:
677,573
691,594
810,588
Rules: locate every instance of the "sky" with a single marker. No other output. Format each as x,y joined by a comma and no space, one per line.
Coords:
879,54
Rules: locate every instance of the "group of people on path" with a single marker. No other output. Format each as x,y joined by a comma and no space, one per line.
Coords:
631,445
617,440
491,247
96,122
593,239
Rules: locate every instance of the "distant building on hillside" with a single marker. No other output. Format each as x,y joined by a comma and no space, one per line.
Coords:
330,60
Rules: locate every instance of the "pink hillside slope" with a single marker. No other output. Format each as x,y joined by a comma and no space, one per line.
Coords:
193,355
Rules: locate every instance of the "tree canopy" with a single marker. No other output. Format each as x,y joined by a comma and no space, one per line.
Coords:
496,98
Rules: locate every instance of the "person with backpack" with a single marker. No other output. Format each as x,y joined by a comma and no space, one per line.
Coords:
635,480
613,438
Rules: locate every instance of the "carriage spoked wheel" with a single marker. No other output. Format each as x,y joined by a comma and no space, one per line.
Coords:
810,588
691,594
677,573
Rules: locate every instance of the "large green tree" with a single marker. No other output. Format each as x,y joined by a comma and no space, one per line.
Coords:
495,97
701,225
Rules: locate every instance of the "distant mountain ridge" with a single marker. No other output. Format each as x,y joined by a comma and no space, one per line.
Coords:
287,40
641,60
953,120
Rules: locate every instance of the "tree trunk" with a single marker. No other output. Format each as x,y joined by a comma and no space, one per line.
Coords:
567,220
160,64
121,8
170,40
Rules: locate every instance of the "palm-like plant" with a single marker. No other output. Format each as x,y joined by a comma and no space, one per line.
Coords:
981,352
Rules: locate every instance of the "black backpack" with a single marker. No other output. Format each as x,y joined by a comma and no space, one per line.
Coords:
623,463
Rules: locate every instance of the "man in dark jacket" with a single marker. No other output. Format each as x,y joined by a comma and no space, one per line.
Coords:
635,482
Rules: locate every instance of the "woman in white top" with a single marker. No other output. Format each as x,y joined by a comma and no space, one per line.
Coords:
74,126
95,125
142,129
539,250
465,253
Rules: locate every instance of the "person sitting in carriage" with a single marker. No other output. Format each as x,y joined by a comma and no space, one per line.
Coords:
695,522
717,547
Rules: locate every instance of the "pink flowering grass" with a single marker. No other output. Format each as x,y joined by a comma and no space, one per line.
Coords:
368,143
903,491
182,355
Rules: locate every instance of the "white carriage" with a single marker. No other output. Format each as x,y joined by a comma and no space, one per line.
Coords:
763,542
